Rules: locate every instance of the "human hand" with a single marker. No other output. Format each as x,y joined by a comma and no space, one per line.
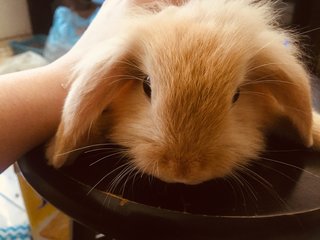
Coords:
106,22
104,26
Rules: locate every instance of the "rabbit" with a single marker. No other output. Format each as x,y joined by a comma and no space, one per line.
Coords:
190,91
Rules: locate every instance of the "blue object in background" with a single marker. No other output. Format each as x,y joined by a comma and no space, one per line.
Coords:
35,44
100,2
66,30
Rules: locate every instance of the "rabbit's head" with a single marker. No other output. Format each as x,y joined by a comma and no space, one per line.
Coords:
190,91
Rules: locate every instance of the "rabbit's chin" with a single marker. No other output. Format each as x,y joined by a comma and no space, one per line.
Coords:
185,175
200,178
190,171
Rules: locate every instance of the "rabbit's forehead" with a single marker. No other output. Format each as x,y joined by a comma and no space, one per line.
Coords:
214,47
193,52
198,63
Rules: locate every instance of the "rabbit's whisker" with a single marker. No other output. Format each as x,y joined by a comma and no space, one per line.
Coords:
267,64
105,176
291,166
118,179
87,147
100,159
235,177
311,30
99,149
271,81
266,184
283,151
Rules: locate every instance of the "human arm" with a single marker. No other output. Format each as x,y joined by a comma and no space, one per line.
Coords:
30,109
31,101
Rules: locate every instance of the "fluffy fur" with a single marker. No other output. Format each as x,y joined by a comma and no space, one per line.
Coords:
197,55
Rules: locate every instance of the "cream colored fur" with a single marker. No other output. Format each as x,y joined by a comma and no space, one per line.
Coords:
197,56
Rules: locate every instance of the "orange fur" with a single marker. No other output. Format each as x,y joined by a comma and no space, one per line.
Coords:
197,56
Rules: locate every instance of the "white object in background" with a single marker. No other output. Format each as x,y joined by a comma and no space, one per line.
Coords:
14,19
12,210
21,62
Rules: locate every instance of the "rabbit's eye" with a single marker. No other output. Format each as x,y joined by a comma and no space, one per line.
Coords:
146,86
236,96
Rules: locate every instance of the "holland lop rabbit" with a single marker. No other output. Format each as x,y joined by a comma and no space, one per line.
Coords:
190,91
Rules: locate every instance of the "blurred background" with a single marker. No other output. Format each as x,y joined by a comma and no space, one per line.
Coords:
36,32
48,28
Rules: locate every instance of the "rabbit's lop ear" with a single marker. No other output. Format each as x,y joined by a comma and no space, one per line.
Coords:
99,80
283,79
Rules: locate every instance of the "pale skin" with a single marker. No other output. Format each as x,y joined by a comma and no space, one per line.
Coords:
32,101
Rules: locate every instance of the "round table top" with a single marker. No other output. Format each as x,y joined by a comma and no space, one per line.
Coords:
278,196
